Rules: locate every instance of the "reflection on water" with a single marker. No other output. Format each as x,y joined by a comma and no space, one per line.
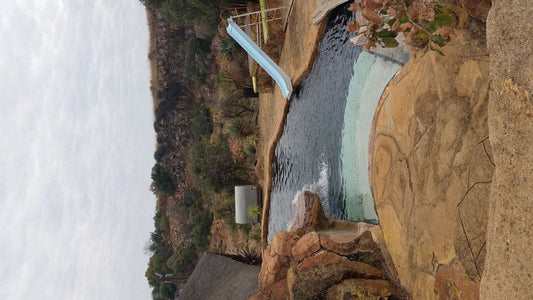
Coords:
324,146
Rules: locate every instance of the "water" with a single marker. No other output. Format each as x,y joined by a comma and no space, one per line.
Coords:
324,146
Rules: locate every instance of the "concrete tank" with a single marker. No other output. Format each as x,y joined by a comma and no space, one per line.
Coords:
246,196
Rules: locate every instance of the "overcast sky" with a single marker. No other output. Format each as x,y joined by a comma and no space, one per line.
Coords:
76,149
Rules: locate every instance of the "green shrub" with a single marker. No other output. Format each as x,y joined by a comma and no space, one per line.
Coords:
214,164
227,46
202,123
197,60
249,149
182,262
223,208
162,181
254,211
235,128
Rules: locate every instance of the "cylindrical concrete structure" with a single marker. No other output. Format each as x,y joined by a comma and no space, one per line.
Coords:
246,196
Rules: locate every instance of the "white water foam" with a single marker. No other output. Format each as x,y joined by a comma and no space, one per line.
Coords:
320,187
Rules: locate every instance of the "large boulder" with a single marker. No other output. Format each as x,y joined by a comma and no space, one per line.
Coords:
308,213
315,274
367,289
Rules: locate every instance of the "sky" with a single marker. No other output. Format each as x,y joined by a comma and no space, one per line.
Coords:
76,149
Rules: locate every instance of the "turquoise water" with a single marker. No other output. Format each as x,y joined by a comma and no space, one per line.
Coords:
371,75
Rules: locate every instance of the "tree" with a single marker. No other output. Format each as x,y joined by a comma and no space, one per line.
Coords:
162,181
202,123
215,164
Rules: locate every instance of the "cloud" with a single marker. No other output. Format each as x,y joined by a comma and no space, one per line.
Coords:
76,151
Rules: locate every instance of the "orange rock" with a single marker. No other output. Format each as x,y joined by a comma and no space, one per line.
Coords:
315,274
347,243
282,243
307,245
276,291
362,289
309,214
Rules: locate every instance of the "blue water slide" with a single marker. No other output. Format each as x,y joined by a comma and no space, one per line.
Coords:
283,81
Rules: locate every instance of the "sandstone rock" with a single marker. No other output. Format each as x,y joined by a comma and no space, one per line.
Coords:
346,243
307,245
353,289
451,281
323,7
282,243
427,150
315,274
508,270
273,268
276,291
308,212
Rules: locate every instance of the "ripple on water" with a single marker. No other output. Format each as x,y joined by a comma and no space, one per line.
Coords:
324,145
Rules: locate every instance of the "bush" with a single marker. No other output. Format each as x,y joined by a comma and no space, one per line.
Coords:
201,231
227,46
235,129
162,181
249,148
183,261
254,211
202,124
236,106
197,60
214,164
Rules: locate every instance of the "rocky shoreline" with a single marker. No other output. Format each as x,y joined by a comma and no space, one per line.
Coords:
323,257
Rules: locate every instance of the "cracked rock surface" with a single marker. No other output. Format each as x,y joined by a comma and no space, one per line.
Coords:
431,168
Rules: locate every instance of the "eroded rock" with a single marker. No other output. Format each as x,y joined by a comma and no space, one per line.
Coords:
357,289
307,245
346,243
282,243
308,213
315,274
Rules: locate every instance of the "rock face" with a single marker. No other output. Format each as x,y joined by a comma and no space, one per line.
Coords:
307,261
315,274
355,289
307,245
431,164
509,268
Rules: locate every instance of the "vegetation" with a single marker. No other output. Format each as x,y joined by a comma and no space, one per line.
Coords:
430,29
162,181
235,128
202,124
254,211
194,70
227,47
